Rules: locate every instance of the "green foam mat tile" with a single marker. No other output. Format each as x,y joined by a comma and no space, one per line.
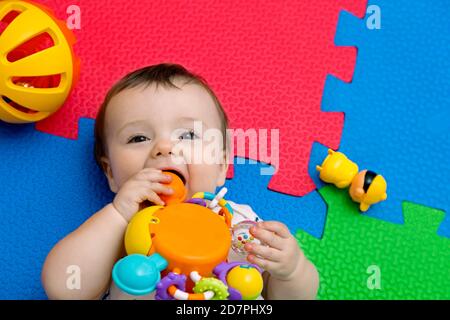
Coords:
360,257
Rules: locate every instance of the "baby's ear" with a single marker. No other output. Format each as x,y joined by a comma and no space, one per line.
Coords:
108,173
222,175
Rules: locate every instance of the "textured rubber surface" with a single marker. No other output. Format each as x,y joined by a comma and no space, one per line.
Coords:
248,186
49,187
397,114
412,260
267,61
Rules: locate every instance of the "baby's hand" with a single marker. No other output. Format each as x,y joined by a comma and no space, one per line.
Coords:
145,185
279,253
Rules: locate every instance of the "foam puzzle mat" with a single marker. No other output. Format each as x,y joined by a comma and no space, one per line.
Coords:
314,71
411,259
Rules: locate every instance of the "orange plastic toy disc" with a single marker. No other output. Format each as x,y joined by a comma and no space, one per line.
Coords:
191,238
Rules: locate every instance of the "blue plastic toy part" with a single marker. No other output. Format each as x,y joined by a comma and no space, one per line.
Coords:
137,274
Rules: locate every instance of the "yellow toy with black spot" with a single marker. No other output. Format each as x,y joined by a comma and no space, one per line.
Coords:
368,188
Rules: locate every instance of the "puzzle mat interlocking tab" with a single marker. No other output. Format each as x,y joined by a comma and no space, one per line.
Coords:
360,257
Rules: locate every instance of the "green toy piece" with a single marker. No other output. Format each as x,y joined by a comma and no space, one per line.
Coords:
213,284
360,257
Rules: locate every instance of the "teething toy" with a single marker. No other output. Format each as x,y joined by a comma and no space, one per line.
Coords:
186,241
247,280
178,187
244,280
144,276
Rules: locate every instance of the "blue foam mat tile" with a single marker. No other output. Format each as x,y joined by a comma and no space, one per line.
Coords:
49,186
397,120
318,153
248,186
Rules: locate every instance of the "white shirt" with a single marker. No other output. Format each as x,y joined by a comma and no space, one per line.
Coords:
240,213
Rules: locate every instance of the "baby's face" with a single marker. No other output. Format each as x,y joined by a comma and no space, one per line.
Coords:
152,127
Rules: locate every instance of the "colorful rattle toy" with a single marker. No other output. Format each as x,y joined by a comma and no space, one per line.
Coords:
241,235
181,249
38,68
366,187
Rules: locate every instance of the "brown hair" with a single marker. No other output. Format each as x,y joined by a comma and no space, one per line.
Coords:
160,74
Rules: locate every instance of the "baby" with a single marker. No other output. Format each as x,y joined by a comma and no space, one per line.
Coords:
148,123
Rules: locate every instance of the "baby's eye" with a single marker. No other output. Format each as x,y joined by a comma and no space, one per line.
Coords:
188,135
138,139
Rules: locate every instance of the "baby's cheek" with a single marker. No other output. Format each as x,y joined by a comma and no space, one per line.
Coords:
123,172
202,178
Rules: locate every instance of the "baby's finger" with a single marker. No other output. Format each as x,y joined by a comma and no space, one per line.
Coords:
267,237
160,188
153,175
277,227
263,263
264,252
151,196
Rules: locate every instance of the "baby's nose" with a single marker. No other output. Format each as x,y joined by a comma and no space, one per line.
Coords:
162,148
